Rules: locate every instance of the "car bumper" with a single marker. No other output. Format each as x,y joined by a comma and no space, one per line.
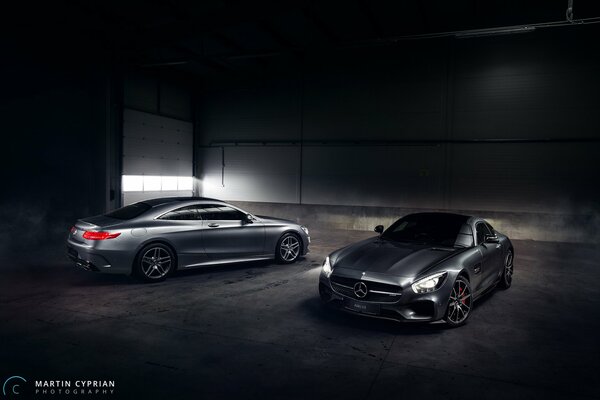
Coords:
91,259
410,306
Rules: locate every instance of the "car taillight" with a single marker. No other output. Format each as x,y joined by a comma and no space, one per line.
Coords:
99,235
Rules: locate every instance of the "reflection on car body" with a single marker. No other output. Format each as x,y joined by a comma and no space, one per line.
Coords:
153,238
424,267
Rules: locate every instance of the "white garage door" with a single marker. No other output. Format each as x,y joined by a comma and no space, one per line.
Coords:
157,157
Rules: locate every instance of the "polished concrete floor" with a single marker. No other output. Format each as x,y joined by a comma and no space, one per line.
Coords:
258,331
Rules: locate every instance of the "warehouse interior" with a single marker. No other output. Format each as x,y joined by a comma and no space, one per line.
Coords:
339,115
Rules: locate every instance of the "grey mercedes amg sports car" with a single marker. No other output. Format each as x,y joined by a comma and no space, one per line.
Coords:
424,267
153,238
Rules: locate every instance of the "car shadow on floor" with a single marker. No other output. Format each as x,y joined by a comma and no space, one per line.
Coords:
323,314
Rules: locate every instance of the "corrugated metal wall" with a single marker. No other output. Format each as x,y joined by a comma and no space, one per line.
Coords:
353,110
157,146
157,133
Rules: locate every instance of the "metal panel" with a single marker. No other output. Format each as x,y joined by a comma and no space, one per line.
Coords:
175,101
251,111
538,177
384,176
156,145
375,94
251,173
141,92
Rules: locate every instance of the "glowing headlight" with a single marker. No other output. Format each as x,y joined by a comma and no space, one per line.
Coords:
429,283
327,270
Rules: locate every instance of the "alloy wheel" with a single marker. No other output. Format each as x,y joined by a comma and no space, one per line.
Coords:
156,263
508,269
460,302
289,248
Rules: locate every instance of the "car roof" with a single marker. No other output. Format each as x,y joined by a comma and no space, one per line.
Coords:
441,213
169,200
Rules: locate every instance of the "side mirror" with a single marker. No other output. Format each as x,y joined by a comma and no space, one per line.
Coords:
379,229
248,219
491,238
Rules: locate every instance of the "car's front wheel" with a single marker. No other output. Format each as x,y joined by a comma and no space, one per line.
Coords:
154,263
460,303
507,273
288,248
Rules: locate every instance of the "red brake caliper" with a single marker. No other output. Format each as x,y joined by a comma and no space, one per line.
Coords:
460,291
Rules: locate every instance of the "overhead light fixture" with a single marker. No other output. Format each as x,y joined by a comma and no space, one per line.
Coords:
493,32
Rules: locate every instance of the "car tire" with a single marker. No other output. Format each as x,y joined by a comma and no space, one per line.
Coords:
507,270
288,248
154,263
460,303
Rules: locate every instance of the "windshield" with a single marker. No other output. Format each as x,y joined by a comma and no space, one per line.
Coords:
129,212
427,228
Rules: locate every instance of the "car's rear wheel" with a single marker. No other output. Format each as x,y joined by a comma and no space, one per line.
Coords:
507,273
288,248
460,303
154,263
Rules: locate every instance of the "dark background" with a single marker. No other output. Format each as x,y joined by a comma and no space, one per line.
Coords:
339,104
341,115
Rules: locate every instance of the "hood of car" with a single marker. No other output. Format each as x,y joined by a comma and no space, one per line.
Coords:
390,258
275,221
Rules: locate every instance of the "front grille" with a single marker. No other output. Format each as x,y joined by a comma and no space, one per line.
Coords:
377,292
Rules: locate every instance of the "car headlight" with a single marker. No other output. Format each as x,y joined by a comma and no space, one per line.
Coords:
305,229
429,283
327,270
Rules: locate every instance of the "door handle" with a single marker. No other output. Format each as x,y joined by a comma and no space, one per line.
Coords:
213,225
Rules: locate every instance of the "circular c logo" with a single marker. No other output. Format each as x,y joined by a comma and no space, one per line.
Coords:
13,387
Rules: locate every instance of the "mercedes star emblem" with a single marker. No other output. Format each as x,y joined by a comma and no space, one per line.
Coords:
360,290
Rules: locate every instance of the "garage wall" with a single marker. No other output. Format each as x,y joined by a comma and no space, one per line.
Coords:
504,124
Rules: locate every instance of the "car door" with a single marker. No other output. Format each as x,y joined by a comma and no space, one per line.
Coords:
491,254
229,235
183,228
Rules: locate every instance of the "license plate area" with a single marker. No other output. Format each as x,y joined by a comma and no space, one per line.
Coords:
362,307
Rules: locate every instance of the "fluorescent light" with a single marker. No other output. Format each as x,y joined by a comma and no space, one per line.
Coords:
156,183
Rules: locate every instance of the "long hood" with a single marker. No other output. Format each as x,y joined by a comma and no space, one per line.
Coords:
275,221
390,258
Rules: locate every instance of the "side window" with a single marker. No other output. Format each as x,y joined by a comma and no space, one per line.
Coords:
183,214
481,230
220,213
490,228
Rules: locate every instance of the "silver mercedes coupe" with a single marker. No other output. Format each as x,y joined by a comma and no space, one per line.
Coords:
424,267
153,238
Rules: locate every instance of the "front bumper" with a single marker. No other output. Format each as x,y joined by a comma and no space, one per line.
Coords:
407,306
305,243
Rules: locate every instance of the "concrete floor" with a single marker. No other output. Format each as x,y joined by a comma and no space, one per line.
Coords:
258,331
